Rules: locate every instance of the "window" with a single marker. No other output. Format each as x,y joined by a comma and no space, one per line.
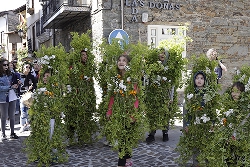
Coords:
157,33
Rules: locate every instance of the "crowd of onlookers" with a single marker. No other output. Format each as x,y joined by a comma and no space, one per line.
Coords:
14,84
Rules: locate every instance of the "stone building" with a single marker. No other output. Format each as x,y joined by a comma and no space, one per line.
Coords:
223,25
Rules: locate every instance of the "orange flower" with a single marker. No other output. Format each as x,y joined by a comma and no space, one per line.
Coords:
120,91
132,92
200,108
119,76
46,92
224,121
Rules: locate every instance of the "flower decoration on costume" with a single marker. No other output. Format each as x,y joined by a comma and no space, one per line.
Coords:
189,96
205,118
227,113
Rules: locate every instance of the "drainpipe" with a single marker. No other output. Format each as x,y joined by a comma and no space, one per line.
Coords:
122,13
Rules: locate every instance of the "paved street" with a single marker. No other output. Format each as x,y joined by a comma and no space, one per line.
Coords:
158,154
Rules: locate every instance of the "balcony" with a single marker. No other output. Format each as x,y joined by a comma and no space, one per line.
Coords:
59,13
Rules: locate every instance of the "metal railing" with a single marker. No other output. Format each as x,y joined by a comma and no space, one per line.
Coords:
53,6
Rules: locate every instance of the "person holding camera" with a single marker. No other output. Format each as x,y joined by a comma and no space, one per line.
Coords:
28,84
7,99
213,55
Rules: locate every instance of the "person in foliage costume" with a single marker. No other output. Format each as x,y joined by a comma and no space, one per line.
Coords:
231,144
159,94
81,104
201,101
45,144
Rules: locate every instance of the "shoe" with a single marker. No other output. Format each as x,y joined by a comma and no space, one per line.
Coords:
129,163
23,128
3,137
17,112
13,136
165,137
150,139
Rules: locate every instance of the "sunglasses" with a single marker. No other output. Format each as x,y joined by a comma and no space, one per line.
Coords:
5,64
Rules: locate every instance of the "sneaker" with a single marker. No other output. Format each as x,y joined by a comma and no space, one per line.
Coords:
165,137
3,137
129,163
13,136
17,112
23,128
150,139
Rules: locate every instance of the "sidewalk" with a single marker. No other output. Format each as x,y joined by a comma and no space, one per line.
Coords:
157,154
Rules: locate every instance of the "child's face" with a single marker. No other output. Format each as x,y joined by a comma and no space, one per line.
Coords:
235,93
199,81
45,77
122,62
162,56
84,57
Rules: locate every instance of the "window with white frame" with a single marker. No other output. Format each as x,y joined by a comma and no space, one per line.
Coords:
157,33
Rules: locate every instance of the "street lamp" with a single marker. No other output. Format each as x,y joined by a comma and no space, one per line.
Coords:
20,33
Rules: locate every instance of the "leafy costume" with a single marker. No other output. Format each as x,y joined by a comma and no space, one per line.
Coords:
80,97
126,124
45,144
230,146
158,91
201,108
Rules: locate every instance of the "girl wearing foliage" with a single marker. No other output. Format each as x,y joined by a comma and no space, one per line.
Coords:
123,112
201,100
159,94
231,144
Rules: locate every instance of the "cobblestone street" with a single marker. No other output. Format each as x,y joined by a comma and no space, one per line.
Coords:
157,154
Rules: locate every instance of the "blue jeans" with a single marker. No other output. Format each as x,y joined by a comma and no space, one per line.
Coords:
18,104
24,114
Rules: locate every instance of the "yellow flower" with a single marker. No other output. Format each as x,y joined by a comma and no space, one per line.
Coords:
46,92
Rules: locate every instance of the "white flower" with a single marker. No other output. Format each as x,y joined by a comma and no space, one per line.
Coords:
69,89
208,71
197,121
242,78
46,57
128,79
86,77
53,56
159,62
230,111
86,49
230,125
166,68
169,81
158,78
205,118
164,78
189,96
122,86
127,68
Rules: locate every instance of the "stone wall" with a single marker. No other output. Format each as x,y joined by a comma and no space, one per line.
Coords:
224,25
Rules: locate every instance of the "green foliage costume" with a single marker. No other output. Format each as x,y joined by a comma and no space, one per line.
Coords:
231,144
162,80
45,143
81,98
201,108
126,125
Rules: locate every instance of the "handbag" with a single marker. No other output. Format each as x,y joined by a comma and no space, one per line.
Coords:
27,98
